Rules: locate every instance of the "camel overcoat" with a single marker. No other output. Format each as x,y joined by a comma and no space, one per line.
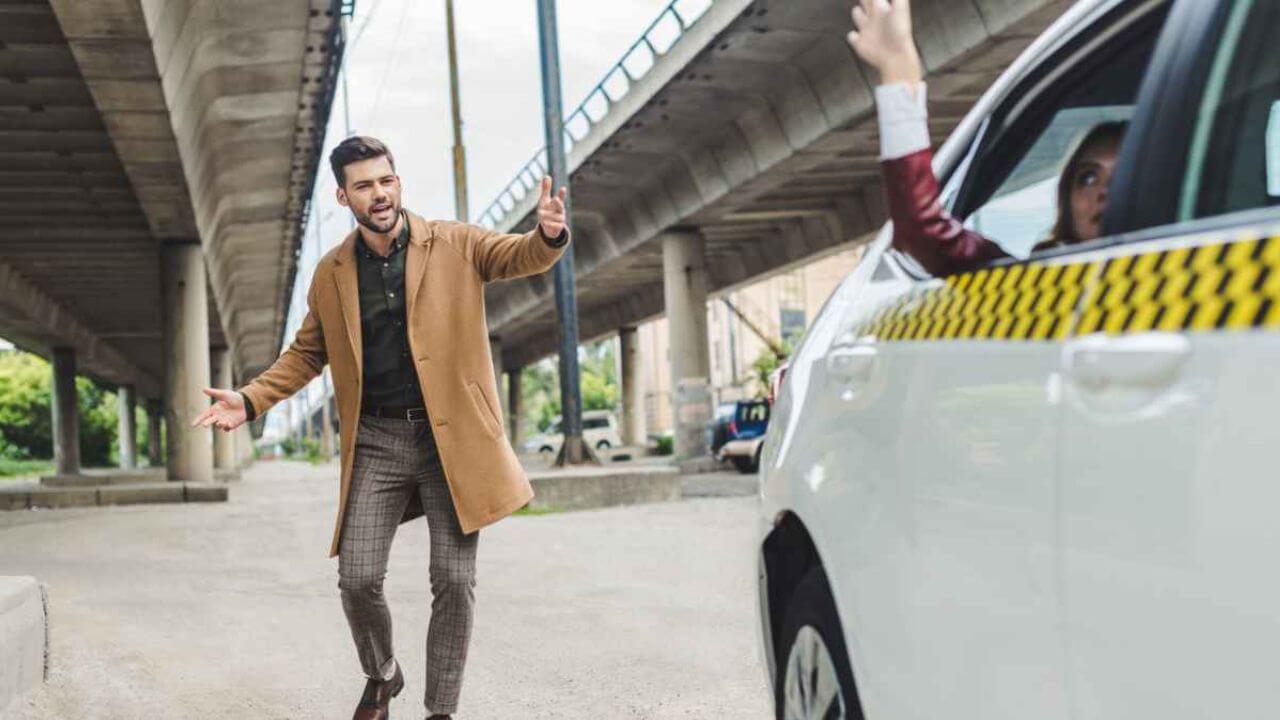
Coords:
447,266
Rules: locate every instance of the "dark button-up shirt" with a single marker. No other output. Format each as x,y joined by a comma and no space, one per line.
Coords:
389,377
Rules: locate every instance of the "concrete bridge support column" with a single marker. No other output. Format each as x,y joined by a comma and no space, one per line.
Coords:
244,446
155,414
186,337
66,413
684,285
633,430
127,441
224,443
514,404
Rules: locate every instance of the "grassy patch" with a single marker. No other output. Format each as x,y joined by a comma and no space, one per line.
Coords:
527,510
20,468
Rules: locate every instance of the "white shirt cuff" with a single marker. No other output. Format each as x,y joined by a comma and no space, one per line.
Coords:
904,120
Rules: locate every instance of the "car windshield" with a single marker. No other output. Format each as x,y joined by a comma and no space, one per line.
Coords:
753,412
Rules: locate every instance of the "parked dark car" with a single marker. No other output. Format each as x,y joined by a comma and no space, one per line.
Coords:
737,430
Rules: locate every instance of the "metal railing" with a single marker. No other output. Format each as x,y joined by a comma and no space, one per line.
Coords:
662,34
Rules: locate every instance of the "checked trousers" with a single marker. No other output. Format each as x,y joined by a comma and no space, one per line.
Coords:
394,458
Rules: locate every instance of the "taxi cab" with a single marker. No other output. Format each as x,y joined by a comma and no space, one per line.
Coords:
1048,486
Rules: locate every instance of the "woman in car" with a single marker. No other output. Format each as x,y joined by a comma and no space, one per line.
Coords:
922,228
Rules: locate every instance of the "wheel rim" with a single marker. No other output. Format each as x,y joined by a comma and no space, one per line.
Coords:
811,688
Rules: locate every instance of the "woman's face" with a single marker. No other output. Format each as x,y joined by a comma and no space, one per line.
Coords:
1089,188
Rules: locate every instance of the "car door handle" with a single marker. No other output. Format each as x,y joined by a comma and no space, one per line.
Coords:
852,364
1146,360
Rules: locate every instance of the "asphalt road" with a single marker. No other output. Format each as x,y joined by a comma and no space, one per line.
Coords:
231,609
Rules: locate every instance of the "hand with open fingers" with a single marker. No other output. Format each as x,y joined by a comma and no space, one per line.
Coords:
882,38
551,211
227,412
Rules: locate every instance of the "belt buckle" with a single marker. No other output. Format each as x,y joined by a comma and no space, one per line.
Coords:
420,412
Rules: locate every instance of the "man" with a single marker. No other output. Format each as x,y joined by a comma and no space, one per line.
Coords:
397,311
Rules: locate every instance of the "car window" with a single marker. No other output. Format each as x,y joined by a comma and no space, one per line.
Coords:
754,412
1022,211
595,423
1009,192
1234,159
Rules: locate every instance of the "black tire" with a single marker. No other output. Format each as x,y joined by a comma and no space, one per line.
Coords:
812,609
603,445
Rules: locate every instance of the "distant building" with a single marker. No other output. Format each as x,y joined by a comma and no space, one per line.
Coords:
781,306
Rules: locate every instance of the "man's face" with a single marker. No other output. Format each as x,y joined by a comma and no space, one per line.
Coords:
372,191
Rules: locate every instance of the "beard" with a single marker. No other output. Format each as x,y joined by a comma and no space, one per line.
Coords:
366,220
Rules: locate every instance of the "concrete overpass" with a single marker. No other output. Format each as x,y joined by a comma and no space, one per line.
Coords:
736,138
156,159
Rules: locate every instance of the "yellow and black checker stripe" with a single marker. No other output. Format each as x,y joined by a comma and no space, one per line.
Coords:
1216,286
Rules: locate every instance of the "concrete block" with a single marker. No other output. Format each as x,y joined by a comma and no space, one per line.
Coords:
98,477
701,464
141,493
14,499
24,639
205,492
595,487
63,497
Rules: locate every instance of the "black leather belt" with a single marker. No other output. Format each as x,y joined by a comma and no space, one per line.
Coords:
417,414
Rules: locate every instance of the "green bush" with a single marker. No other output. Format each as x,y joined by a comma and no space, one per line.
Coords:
13,468
666,444
26,415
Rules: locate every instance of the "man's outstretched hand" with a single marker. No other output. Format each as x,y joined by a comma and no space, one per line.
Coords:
882,38
551,215
227,412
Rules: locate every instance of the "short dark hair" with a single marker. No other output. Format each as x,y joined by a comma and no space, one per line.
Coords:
355,149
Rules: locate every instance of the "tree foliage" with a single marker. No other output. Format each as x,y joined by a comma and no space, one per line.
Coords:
540,384
26,415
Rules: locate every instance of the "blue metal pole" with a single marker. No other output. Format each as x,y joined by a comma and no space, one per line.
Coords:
574,450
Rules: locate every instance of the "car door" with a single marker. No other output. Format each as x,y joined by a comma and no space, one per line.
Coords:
983,353
1169,491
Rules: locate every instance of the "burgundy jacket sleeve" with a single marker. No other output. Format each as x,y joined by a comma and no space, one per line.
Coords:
922,228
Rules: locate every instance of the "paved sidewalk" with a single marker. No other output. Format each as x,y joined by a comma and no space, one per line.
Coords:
231,609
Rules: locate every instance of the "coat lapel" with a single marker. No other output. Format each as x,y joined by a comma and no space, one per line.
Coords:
344,275
415,264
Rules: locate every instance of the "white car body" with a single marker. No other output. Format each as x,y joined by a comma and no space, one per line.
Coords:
1078,523
599,430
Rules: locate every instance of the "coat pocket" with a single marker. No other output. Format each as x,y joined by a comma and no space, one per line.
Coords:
487,415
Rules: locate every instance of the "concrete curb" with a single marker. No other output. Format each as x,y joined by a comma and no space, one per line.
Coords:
597,487
24,638
65,497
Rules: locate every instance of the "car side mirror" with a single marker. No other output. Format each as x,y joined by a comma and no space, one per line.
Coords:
1273,151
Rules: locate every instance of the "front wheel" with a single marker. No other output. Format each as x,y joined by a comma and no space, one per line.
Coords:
603,445
815,681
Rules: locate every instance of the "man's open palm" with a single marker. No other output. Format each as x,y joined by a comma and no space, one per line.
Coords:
227,412
551,214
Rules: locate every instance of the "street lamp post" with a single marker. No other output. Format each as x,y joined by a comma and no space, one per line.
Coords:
459,149
573,451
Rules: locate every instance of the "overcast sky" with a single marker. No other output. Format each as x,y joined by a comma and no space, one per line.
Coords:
399,83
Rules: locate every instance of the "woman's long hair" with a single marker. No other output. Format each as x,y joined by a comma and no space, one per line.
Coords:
1064,228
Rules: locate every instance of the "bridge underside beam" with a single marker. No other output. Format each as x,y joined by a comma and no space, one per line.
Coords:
764,140
35,322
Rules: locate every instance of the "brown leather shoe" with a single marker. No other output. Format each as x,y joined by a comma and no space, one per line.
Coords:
375,703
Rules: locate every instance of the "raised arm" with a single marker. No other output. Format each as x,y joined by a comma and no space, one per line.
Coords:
922,227
503,256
